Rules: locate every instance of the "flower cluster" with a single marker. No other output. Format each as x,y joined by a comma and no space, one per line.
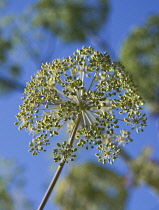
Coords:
64,151
89,92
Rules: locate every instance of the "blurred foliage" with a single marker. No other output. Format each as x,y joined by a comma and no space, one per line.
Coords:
91,186
4,46
72,20
11,187
6,201
140,56
145,170
9,69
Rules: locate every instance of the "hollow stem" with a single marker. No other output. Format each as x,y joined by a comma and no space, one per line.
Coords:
59,169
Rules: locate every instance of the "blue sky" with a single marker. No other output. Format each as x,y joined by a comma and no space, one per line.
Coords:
124,16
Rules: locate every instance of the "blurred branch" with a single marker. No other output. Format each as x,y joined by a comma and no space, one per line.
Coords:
103,45
50,48
125,156
12,83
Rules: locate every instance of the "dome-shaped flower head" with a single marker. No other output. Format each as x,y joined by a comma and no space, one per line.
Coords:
96,97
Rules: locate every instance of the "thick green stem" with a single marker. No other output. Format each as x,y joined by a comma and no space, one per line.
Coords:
59,169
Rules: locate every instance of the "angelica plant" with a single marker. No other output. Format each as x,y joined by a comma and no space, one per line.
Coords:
93,95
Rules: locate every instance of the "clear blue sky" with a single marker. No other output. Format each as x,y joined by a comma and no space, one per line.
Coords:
124,16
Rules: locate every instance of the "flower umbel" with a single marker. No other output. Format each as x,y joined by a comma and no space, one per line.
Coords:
89,87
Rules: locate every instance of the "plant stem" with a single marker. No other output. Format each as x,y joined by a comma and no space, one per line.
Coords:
59,169
51,186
